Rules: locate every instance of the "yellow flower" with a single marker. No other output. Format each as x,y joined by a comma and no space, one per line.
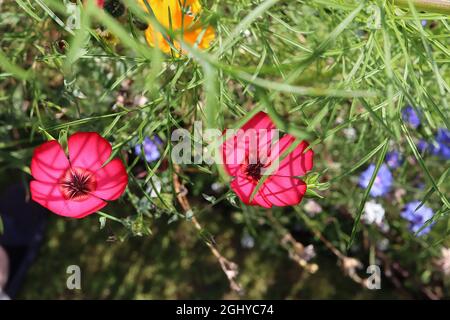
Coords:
180,16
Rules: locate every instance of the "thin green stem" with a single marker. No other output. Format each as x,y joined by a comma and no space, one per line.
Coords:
437,6
110,217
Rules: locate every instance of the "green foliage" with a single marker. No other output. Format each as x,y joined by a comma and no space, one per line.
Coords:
319,68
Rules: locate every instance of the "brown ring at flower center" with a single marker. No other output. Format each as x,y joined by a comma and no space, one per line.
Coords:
77,183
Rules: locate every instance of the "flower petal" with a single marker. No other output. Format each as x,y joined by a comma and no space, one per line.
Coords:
172,14
244,188
49,196
233,154
296,163
261,120
155,39
111,180
49,163
250,143
283,191
88,150
161,10
197,36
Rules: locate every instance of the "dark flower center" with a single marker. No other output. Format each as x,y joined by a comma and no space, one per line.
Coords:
114,8
254,170
77,183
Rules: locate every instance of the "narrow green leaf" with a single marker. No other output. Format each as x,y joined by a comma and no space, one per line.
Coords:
10,67
28,10
367,191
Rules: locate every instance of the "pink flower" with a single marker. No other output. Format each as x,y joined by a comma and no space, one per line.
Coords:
247,153
78,186
100,3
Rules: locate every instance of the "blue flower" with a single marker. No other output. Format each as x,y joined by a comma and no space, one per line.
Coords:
150,147
394,159
410,116
423,146
417,218
441,147
383,181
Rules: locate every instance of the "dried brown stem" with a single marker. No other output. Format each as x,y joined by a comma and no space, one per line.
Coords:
348,264
295,248
229,268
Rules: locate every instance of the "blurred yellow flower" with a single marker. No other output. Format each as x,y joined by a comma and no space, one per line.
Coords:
180,16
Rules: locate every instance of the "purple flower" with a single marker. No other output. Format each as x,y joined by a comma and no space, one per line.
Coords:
417,218
383,181
410,116
423,146
441,147
150,147
424,23
394,159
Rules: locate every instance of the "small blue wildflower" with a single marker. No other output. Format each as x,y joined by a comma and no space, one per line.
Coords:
441,147
424,23
420,186
423,146
247,241
150,147
383,181
394,159
417,218
410,116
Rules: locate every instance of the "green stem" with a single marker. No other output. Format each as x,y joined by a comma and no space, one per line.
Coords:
437,6
107,216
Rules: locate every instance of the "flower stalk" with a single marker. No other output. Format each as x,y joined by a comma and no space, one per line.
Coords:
228,267
436,6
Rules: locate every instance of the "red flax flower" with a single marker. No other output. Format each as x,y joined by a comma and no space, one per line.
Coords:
253,149
100,3
78,186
